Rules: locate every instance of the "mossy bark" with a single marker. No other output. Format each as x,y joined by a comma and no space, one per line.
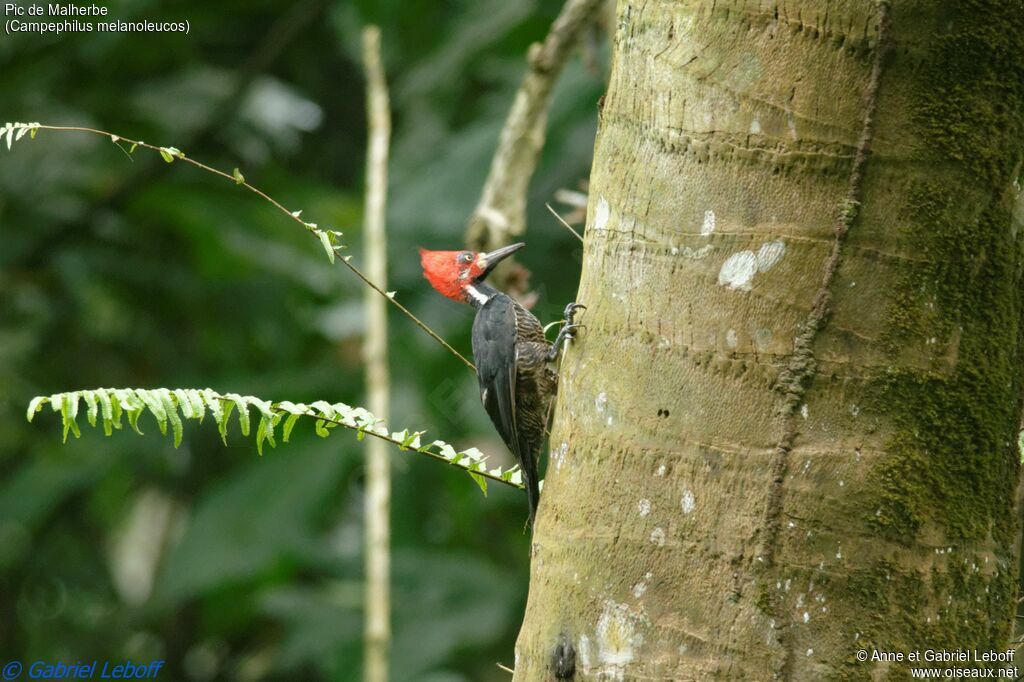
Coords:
788,432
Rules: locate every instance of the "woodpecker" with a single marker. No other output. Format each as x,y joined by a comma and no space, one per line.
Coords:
512,356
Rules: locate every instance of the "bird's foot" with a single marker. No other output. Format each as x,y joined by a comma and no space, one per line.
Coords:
570,311
568,331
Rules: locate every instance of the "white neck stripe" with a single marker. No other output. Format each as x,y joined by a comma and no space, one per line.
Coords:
477,294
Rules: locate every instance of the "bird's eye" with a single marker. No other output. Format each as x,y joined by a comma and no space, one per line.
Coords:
465,257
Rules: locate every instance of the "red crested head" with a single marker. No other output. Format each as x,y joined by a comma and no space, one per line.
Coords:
451,272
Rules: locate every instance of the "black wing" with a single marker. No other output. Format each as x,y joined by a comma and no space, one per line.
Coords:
495,354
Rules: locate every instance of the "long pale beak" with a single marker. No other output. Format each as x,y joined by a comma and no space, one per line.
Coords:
489,260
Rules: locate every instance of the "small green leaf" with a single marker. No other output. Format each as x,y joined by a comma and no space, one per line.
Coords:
213,402
184,404
106,410
94,408
172,414
133,420
68,412
133,148
239,178
328,247
156,407
166,155
289,424
35,405
326,409
480,481
198,406
229,406
410,440
243,411
261,433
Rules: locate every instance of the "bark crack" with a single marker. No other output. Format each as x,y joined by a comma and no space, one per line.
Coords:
796,376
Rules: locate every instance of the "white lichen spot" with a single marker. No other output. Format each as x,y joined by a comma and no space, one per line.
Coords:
708,226
616,639
787,585
755,127
731,339
855,410
558,455
601,402
639,589
770,254
803,411
689,503
602,214
810,652
661,470
584,652
690,252
791,525
658,537
839,553
737,270
763,337
645,507
807,616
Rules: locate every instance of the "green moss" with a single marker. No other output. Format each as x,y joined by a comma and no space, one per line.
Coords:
765,601
951,460
889,600
969,102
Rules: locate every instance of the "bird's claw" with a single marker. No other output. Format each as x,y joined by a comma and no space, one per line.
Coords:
569,330
570,311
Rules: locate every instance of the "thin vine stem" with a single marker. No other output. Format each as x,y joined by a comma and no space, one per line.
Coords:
429,453
276,204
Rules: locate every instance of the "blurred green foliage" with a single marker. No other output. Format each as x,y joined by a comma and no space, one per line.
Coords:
118,271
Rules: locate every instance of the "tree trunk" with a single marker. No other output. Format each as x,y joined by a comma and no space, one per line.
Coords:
788,431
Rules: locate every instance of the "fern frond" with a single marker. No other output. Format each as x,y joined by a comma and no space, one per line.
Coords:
176,406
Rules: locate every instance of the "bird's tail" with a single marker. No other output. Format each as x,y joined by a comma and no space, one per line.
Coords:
532,493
